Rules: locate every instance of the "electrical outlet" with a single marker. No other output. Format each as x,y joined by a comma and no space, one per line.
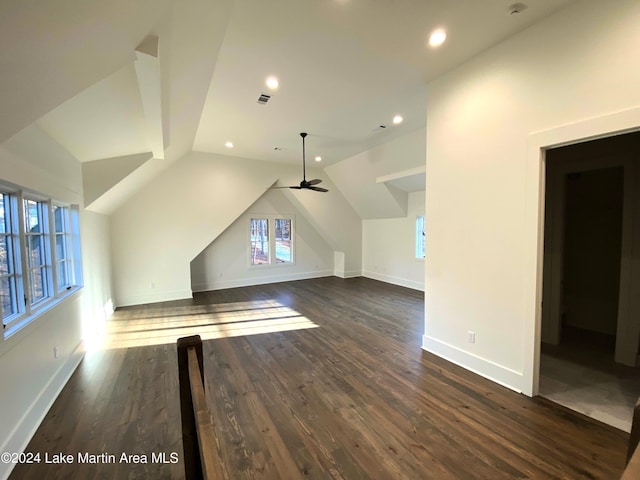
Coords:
471,336
55,352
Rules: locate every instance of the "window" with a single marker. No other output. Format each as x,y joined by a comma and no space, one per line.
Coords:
39,255
283,240
38,263
63,247
8,267
267,248
420,237
259,241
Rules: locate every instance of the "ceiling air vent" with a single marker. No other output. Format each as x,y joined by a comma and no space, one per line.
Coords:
263,98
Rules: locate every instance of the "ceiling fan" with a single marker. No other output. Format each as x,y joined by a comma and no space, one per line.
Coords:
306,184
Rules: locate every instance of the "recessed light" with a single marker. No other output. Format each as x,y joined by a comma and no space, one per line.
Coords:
228,144
437,37
397,119
272,83
318,158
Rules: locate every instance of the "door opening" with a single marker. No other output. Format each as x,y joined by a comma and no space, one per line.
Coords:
588,286
591,259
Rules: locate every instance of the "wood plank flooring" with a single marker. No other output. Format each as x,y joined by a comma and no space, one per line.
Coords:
354,397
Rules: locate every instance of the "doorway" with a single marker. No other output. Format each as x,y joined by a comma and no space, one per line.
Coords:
588,360
591,253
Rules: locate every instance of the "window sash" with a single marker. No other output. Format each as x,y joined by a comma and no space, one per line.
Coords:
38,261
10,290
63,249
260,243
8,279
283,240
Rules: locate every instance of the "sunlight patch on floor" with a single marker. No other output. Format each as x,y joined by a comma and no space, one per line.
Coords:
164,325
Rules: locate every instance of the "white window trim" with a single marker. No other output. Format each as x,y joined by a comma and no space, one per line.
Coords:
271,218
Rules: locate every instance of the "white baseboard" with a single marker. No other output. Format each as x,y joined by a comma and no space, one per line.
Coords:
247,282
349,274
402,282
159,296
31,420
483,367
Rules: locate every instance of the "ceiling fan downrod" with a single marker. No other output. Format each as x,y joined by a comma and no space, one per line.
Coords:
304,160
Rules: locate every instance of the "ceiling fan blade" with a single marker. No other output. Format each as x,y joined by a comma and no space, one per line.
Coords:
306,184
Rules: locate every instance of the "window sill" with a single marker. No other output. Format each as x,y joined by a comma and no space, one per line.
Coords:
41,309
272,265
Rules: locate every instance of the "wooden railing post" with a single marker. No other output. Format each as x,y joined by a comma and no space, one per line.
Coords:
199,441
634,437
632,471
191,451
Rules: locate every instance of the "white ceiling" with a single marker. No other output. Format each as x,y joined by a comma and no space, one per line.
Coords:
345,68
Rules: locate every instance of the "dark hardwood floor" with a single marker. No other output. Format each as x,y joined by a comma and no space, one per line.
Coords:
353,398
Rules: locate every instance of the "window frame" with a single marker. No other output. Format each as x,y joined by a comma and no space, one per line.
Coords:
66,263
272,248
253,233
44,267
14,264
28,303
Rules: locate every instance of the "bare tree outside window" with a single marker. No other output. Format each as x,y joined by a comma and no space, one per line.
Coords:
259,241
271,240
283,240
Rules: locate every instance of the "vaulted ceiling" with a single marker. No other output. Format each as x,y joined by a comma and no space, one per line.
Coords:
110,79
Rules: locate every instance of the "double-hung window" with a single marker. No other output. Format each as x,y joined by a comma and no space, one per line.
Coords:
63,247
36,245
271,240
39,255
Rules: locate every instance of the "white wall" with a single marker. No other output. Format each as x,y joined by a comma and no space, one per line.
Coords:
161,229
482,200
30,375
356,176
97,297
225,262
388,247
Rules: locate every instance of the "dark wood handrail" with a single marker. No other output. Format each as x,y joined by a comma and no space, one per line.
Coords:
632,472
201,458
